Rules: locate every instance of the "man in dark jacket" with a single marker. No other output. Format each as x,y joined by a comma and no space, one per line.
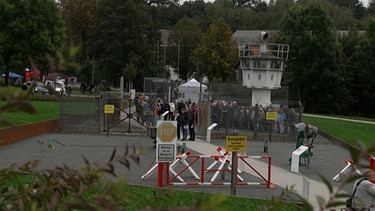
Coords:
184,123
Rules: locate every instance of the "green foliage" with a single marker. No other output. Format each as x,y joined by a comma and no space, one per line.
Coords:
129,38
38,31
79,18
170,199
217,53
186,33
64,188
314,74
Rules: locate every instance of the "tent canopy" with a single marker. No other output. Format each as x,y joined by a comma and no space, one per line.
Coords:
191,90
193,83
12,75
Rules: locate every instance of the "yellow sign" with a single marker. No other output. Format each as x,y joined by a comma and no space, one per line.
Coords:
167,131
236,143
109,109
271,115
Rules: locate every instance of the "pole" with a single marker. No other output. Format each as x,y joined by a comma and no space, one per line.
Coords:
178,59
107,123
256,121
233,181
270,132
130,105
93,70
165,53
160,174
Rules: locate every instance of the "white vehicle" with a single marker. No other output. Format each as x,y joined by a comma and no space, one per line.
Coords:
59,86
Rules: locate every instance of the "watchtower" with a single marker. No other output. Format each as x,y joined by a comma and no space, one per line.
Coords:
262,65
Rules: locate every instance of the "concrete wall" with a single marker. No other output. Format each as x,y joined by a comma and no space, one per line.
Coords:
18,133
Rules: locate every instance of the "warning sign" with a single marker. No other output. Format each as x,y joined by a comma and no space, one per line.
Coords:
236,143
271,115
166,153
166,131
166,140
109,109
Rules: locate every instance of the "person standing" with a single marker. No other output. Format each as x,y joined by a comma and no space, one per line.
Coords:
291,120
180,105
280,122
191,120
184,123
216,115
176,117
172,108
166,108
159,105
364,196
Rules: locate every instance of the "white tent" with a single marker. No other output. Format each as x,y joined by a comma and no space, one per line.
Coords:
190,90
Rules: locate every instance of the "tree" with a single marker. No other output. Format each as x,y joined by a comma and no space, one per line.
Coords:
362,70
29,30
186,35
313,72
79,19
350,43
217,53
125,35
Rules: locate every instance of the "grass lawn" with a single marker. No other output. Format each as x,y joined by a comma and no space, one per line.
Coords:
46,111
345,130
168,198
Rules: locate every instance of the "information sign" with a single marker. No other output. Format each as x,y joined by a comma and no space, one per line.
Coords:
166,153
109,109
236,143
271,115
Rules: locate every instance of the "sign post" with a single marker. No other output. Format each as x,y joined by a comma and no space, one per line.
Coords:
235,144
166,140
109,109
270,117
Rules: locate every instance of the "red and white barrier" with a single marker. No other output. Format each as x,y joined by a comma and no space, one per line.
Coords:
180,158
183,161
266,179
176,178
225,162
349,165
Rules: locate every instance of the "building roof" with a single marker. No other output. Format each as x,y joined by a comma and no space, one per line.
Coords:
249,36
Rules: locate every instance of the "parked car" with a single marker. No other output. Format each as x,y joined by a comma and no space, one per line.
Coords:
58,86
40,88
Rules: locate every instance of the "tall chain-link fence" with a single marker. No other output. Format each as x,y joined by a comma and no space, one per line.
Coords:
80,114
227,105
106,113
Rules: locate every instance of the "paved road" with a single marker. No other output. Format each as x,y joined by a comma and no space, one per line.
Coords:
328,160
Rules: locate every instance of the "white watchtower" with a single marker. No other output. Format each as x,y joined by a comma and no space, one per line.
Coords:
262,65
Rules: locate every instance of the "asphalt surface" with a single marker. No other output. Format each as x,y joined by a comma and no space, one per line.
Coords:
56,149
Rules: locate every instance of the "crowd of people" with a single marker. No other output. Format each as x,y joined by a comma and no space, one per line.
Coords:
185,113
243,117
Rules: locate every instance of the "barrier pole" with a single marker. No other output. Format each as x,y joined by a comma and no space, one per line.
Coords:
202,171
166,169
233,174
160,174
269,184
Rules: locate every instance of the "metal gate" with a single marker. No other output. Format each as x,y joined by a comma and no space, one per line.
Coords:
85,114
80,114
